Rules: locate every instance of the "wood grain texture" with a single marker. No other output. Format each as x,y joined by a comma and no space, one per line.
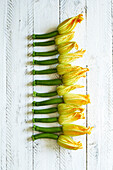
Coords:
46,19
71,159
16,149
2,90
20,19
99,56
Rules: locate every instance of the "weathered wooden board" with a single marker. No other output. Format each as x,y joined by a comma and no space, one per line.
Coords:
18,20
100,112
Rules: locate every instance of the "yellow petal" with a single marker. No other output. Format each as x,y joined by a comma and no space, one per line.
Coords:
65,68
61,90
76,130
69,143
68,118
70,57
76,99
73,76
69,24
64,38
66,47
64,109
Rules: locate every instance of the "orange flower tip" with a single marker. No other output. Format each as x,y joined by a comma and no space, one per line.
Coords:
76,46
83,50
80,145
90,129
80,18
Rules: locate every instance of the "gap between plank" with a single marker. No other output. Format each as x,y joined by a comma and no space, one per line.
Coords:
86,88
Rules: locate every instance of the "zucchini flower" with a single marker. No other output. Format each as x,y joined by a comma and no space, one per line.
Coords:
62,140
62,59
65,27
60,69
64,48
69,24
63,89
65,68
62,109
76,130
70,57
65,109
66,129
68,118
59,39
72,77
69,143
76,99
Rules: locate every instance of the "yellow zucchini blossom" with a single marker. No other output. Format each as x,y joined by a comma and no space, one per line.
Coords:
65,68
65,109
69,24
66,47
76,99
62,89
70,57
76,130
64,38
72,77
68,118
69,143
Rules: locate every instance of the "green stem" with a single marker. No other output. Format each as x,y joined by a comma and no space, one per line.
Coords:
45,111
48,53
45,120
47,129
47,71
48,102
52,82
46,43
44,36
50,94
45,62
45,135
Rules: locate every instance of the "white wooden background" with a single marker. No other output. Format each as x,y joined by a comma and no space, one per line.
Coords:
18,19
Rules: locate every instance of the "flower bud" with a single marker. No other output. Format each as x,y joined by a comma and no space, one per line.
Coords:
61,90
69,24
68,118
76,99
69,143
72,77
64,38
64,109
76,130
66,47
70,57
65,68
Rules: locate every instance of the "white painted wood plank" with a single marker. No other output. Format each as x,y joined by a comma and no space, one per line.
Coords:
17,24
2,89
99,54
46,19
75,159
